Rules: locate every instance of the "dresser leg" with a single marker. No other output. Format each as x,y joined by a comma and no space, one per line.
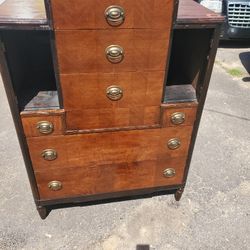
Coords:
43,212
178,193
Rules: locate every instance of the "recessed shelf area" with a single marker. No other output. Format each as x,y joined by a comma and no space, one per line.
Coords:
188,62
179,93
43,100
30,62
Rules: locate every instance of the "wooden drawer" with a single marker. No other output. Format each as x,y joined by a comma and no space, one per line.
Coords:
84,51
108,178
83,150
33,122
88,107
187,110
90,14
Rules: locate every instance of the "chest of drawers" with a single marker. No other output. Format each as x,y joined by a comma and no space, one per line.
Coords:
108,100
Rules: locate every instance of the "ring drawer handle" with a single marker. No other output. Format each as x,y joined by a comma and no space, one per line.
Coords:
115,15
169,172
114,53
55,185
174,143
114,93
49,154
178,118
45,127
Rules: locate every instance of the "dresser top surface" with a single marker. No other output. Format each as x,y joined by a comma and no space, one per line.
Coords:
32,13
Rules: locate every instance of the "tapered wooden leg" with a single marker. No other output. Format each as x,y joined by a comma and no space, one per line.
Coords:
43,212
178,193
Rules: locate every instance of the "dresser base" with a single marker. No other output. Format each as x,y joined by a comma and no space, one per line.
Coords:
44,207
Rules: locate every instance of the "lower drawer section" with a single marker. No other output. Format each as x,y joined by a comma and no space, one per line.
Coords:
83,150
110,178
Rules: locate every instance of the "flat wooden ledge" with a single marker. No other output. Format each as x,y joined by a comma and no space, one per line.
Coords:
191,12
22,13
31,13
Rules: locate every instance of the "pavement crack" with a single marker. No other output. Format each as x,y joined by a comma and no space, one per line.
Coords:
226,114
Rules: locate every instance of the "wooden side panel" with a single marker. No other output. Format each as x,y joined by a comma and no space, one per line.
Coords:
89,14
110,178
84,51
30,120
108,148
189,110
88,107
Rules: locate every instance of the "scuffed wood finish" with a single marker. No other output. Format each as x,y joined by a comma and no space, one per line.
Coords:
189,109
23,12
84,51
30,120
90,108
89,120
191,12
108,148
89,14
109,178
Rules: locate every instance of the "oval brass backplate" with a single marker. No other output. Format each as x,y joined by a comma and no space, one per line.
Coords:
114,53
55,185
178,118
115,15
45,127
174,143
49,154
169,172
114,93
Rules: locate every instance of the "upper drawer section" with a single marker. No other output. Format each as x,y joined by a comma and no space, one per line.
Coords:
92,51
100,14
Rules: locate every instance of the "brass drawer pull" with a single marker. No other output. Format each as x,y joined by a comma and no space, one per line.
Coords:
174,143
178,118
114,93
55,185
115,15
114,53
169,172
49,154
45,127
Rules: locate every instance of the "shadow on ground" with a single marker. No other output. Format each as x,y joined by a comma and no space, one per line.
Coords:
245,60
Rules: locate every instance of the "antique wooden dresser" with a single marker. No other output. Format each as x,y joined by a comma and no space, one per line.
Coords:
106,95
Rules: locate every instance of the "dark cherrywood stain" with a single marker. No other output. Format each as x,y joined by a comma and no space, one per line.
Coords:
108,150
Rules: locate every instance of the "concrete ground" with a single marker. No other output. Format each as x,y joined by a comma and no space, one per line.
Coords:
214,210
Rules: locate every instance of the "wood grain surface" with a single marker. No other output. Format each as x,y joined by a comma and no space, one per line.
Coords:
23,12
108,148
88,107
189,109
110,178
84,51
191,12
89,14
30,120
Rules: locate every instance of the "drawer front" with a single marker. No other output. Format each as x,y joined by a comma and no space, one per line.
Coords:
92,108
85,150
110,178
178,115
91,14
43,124
86,51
